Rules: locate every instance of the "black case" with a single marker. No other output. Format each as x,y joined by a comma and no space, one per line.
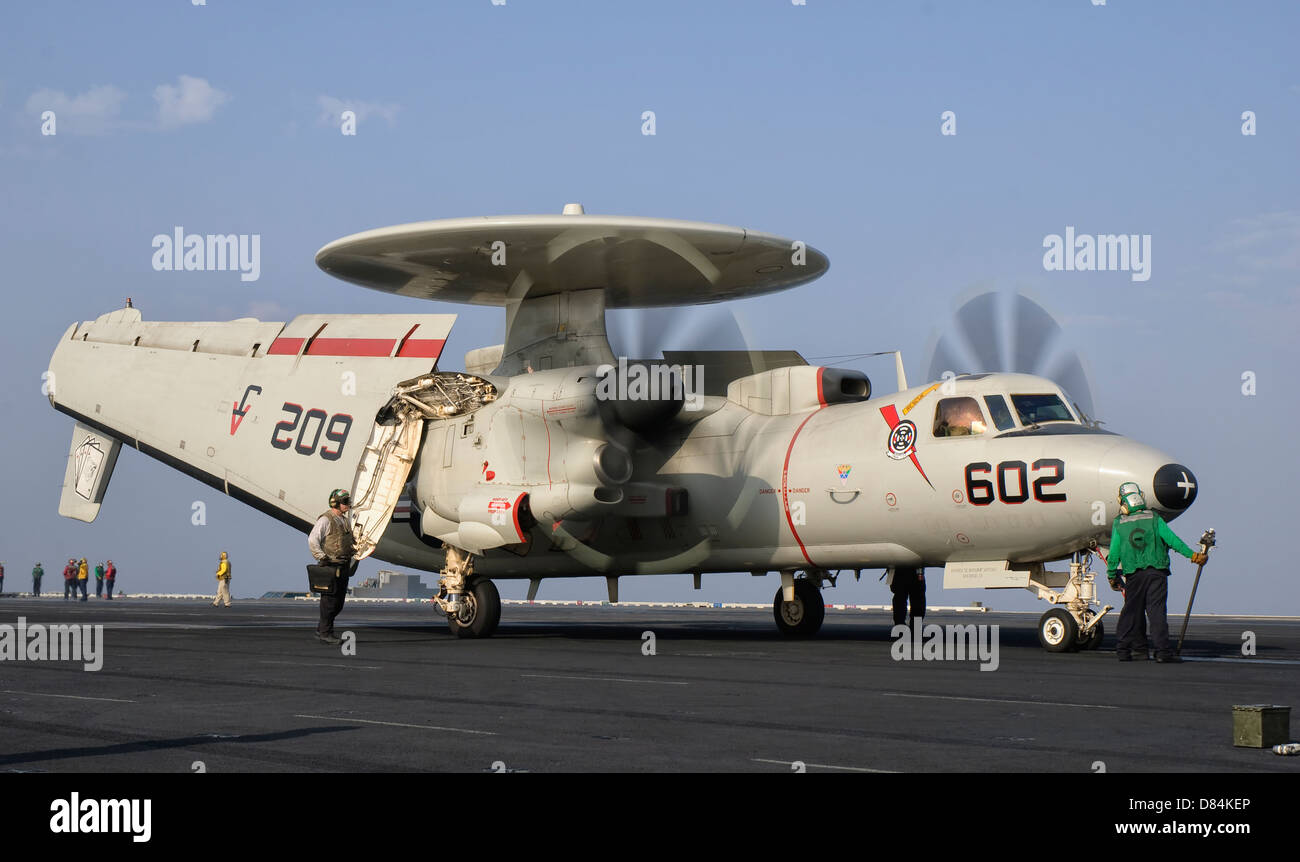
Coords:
322,579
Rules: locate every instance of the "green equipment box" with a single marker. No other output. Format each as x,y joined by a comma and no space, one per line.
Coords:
1260,725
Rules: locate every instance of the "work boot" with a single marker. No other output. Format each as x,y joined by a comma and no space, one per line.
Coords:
1169,659
1124,656
328,639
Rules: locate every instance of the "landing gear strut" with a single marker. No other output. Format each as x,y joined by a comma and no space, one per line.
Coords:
472,605
803,616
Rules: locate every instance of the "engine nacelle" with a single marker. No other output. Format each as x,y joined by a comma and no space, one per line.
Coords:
488,518
797,388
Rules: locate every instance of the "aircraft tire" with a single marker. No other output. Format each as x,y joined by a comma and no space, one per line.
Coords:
482,620
804,616
1057,631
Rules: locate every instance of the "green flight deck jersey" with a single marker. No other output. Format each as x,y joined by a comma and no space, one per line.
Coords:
1141,540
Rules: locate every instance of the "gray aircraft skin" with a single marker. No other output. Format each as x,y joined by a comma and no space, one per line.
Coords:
815,487
544,473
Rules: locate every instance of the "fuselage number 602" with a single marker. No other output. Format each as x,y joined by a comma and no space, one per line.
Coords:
1013,482
310,425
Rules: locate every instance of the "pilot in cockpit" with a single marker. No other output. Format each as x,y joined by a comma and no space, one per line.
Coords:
958,417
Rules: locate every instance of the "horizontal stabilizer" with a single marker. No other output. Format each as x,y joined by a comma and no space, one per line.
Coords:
91,459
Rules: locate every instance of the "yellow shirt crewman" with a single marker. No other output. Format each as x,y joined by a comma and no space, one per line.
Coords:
223,582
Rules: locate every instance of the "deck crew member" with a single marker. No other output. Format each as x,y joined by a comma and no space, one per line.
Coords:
1139,547
908,585
332,544
223,581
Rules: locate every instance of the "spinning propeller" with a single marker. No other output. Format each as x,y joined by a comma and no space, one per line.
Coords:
1010,332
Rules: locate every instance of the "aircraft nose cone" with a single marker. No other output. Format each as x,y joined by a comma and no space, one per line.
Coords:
1175,487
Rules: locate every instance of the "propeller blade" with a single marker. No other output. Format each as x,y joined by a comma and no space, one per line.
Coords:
981,337
646,333
639,333
1035,331
980,327
946,357
1071,376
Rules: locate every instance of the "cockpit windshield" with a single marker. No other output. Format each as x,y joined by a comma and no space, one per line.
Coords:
1037,409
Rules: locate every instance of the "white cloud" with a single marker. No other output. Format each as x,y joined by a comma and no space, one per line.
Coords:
190,100
93,112
1266,243
332,108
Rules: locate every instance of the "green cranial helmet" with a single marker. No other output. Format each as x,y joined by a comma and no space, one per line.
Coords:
340,497
1130,498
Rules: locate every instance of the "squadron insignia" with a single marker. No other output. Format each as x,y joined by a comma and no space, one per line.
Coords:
902,439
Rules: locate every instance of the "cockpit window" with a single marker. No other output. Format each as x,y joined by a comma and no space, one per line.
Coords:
958,417
1037,409
1000,412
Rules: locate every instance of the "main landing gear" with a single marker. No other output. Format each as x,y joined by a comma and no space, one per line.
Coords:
802,616
479,612
472,605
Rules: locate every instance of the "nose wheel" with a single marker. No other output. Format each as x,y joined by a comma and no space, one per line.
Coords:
1057,631
802,617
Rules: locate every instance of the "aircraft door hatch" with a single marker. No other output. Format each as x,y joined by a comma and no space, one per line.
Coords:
394,443
381,479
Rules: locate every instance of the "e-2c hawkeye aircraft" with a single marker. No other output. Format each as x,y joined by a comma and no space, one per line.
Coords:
549,457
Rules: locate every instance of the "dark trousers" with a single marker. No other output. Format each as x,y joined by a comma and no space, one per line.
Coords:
99,588
69,589
1145,594
908,585
108,585
83,589
331,604
36,586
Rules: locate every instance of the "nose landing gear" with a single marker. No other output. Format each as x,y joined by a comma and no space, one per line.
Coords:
1075,624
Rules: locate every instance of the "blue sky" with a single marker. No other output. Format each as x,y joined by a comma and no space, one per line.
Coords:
817,122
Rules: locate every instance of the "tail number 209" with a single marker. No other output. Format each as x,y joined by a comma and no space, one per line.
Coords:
1013,485
310,425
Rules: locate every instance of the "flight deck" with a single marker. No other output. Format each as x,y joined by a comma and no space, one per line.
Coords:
187,687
